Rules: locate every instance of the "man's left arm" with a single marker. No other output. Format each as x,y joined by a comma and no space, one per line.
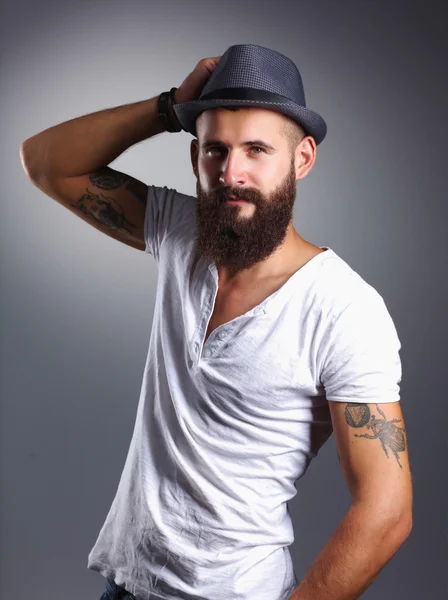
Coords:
372,447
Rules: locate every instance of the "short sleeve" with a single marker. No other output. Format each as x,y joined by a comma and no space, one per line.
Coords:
361,349
166,209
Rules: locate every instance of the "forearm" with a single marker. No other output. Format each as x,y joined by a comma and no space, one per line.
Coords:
353,556
85,144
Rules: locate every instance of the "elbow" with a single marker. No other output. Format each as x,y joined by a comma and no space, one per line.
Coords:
29,158
401,518
405,523
399,526
25,158
394,524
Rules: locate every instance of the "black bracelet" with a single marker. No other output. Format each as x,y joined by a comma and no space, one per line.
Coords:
173,102
163,106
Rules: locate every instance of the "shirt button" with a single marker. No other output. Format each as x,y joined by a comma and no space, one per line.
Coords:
196,347
221,335
206,353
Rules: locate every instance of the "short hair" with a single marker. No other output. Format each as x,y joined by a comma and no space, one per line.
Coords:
291,130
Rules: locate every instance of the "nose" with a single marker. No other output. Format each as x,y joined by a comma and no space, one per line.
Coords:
233,171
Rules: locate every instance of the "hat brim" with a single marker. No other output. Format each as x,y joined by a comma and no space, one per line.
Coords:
312,122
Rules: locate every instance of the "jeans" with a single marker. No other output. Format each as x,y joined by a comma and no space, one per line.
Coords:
115,592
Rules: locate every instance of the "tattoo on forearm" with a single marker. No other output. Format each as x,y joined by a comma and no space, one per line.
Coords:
357,414
105,211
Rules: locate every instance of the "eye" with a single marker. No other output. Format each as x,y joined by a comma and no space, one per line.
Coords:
258,148
218,150
213,149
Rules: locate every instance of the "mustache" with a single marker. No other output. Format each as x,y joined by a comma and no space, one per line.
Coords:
223,194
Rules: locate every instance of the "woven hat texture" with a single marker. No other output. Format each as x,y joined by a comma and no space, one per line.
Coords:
251,75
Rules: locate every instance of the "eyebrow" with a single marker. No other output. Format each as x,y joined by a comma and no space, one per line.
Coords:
260,143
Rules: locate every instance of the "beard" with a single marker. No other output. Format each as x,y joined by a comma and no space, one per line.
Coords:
229,238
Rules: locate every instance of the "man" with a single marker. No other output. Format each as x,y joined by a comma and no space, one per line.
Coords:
262,345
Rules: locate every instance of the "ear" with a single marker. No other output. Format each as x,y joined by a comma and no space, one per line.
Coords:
305,156
194,153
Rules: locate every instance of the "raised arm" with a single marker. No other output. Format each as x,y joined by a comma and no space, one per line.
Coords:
69,162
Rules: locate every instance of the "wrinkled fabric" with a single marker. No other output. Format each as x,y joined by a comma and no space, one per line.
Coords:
224,429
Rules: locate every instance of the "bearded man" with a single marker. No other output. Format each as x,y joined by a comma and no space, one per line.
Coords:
262,345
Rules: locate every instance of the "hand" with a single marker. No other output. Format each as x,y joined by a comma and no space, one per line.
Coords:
191,87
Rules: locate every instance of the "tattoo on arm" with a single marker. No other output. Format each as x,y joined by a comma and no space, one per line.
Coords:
105,211
108,179
357,414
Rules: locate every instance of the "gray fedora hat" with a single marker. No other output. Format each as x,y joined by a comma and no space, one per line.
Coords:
251,75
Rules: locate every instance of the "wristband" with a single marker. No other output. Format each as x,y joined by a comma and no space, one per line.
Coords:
165,100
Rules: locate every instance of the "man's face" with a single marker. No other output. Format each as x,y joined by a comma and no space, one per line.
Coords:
237,236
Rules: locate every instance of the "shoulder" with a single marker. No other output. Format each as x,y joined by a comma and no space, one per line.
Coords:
338,286
168,213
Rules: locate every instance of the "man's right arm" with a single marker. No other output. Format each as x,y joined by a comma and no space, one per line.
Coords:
68,162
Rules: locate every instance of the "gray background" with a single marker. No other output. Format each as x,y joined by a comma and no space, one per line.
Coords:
77,306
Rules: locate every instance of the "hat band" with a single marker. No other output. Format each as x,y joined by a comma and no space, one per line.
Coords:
245,93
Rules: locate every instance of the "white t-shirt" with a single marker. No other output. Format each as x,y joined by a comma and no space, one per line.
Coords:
224,429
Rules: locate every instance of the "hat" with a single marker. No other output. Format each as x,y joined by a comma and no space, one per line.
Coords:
251,75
